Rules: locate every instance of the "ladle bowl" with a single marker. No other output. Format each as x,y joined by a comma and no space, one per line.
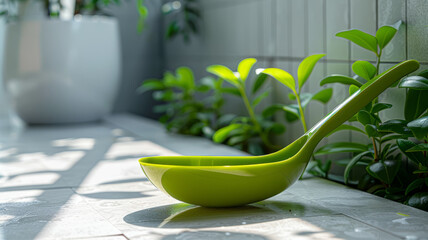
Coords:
223,181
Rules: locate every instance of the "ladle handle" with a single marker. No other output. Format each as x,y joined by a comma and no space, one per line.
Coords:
359,99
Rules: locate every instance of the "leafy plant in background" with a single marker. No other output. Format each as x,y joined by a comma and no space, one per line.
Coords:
182,111
293,112
385,174
183,20
184,17
249,133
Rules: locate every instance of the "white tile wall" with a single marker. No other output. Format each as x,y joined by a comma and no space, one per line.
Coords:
417,30
337,19
316,27
390,12
283,27
366,8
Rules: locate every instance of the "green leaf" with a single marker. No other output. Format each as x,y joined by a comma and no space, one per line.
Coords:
324,95
395,125
260,80
416,104
236,140
344,127
385,171
271,110
276,128
245,66
232,91
353,89
336,78
340,147
305,98
293,111
379,107
364,69
209,82
419,127
365,117
423,147
223,133
306,67
360,38
223,72
352,163
424,73
282,76
185,76
151,84
172,30
417,183
419,200
255,148
259,98
226,119
385,34
416,157
371,130
414,82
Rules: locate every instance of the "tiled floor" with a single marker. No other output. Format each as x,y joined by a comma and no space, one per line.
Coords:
84,181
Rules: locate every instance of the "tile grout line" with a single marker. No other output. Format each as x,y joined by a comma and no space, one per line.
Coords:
99,213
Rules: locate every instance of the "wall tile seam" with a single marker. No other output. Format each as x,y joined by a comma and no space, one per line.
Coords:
228,4
278,58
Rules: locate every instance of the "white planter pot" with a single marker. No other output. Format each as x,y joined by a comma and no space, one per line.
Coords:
62,71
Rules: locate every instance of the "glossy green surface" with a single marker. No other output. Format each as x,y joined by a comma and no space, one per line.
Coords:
235,181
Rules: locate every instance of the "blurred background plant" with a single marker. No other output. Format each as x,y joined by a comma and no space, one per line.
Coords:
183,16
182,109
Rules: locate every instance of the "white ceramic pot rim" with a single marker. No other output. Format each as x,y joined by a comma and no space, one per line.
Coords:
76,19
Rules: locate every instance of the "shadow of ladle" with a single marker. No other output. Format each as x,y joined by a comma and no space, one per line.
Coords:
213,181
191,216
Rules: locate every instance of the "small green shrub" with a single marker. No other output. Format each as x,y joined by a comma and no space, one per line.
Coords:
250,133
182,111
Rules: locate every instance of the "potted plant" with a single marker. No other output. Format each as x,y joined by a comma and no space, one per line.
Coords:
60,71
66,70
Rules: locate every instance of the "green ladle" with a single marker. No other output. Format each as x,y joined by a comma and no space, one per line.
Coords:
212,181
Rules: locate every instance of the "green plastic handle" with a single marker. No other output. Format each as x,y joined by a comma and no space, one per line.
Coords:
360,99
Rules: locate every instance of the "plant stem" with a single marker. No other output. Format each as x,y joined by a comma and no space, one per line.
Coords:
302,114
378,56
425,152
253,117
375,150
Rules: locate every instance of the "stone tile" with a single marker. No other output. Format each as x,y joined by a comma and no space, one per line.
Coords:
337,20
390,12
39,214
417,31
393,217
298,31
318,227
283,27
268,39
316,27
363,17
